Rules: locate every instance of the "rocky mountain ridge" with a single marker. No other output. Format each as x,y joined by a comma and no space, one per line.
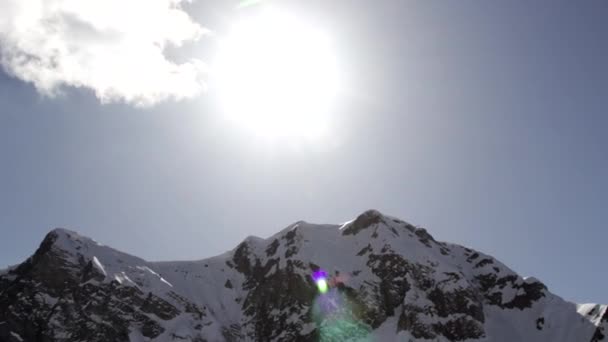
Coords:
387,280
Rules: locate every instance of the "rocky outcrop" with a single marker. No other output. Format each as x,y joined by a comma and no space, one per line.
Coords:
59,296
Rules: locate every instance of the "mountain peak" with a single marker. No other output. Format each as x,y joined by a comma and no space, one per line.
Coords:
365,220
63,231
375,219
384,279
67,240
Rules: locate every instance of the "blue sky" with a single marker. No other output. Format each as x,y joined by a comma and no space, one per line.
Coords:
484,122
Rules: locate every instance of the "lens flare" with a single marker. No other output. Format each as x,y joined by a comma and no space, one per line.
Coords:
334,312
322,285
334,315
320,278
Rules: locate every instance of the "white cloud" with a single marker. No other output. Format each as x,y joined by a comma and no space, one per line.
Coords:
114,47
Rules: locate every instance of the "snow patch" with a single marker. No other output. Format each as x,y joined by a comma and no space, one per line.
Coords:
99,266
123,279
136,336
149,270
16,336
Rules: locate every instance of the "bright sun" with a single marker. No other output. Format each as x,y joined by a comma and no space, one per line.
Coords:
277,76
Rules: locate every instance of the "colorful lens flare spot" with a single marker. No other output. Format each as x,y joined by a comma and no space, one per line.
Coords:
322,285
333,312
320,278
336,318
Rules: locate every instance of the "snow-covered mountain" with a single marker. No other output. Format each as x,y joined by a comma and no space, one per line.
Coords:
377,278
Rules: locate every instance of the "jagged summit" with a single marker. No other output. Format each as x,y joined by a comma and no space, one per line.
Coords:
365,220
64,231
387,280
375,219
66,239
72,244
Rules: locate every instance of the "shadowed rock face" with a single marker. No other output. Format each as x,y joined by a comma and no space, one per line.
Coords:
388,280
363,221
52,291
601,331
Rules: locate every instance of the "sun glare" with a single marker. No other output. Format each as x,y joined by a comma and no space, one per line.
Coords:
277,76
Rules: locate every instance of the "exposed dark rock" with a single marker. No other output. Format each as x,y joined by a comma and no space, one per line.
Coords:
483,262
457,302
363,221
272,248
365,249
491,285
473,257
540,323
424,236
600,334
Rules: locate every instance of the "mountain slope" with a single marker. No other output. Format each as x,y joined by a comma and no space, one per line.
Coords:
388,281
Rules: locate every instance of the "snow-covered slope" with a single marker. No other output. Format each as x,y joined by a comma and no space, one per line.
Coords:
388,281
